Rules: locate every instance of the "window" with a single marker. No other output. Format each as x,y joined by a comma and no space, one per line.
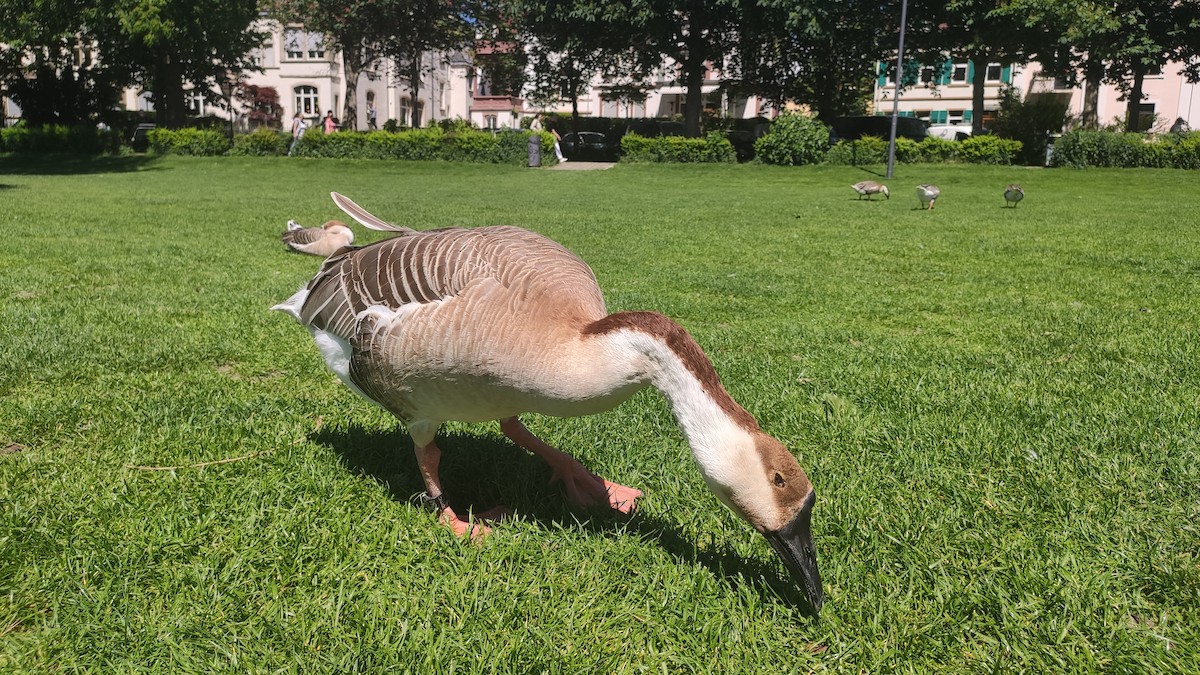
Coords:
301,46
491,122
928,73
994,72
307,102
1154,70
958,73
954,117
264,56
924,116
195,102
1146,117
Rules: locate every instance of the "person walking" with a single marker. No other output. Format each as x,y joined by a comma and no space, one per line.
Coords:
330,123
298,127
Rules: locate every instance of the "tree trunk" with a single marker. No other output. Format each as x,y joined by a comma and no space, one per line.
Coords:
1133,106
979,62
1093,73
414,85
169,107
693,101
351,68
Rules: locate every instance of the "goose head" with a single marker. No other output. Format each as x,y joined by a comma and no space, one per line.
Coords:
759,480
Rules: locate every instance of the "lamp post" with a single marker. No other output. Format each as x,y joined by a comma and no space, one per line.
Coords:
896,93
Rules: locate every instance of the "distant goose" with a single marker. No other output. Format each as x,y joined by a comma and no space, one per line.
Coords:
322,241
928,194
488,323
1013,193
869,188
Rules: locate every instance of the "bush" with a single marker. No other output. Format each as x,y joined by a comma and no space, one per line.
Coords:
933,150
83,140
262,143
860,151
1031,121
988,150
197,142
714,147
1084,149
793,140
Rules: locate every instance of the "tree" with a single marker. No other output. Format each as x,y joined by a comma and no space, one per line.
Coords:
818,53
978,31
165,44
567,51
47,64
1150,33
426,30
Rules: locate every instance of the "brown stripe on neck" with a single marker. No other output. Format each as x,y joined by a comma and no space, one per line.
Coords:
685,347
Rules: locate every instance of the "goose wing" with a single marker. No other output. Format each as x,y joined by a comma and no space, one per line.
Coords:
303,235
447,324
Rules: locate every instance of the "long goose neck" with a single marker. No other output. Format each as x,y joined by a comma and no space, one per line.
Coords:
679,368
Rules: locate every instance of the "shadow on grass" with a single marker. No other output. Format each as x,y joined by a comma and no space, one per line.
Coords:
479,472
68,165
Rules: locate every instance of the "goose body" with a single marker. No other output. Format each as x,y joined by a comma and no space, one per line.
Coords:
322,241
1013,194
927,194
488,323
870,188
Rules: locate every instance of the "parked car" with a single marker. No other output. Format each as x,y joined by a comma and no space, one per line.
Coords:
851,128
138,140
951,132
588,146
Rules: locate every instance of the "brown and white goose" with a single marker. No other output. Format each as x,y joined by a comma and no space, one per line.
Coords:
322,241
869,188
485,324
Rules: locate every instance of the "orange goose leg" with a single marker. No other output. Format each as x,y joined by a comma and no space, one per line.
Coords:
583,487
428,458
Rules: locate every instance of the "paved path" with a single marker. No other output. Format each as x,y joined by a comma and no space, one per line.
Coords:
581,166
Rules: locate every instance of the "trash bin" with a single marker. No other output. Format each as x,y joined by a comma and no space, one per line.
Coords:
535,149
1050,149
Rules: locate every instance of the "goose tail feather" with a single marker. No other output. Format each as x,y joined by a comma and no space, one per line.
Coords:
361,215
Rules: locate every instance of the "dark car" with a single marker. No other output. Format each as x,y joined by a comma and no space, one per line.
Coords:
851,128
139,139
588,146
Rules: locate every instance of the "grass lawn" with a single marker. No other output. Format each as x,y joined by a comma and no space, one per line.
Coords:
998,408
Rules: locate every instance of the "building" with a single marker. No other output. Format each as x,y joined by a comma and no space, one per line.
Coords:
941,95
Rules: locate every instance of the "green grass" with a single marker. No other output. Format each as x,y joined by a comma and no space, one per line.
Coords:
998,408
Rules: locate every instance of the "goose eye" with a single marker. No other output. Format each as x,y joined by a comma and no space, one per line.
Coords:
779,481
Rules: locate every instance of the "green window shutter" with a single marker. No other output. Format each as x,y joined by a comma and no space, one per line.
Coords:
967,116
970,72
1006,74
938,117
882,74
943,72
912,73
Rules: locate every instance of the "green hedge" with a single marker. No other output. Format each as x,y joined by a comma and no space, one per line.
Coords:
262,143
59,138
1084,149
196,142
975,150
714,147
457,144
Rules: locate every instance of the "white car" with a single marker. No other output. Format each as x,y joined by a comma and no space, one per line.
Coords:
950,132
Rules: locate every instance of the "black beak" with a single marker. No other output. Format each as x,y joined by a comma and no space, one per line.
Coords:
793,542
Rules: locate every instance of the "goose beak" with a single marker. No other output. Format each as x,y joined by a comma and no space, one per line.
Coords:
794,544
